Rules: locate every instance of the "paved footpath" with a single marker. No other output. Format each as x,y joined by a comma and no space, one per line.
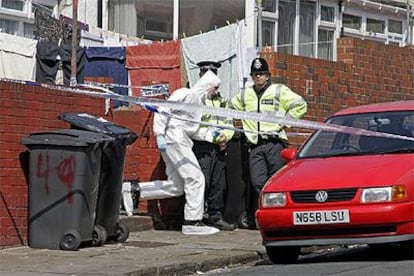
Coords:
151,252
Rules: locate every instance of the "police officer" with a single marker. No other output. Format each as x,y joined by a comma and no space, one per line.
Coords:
265,140
211,157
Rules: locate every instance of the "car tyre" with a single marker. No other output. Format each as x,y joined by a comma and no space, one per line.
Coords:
407,249
283,254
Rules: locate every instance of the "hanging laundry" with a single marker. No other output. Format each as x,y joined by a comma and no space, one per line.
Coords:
17,57
219,45
54,30
66,56
47,63
109,63
154,64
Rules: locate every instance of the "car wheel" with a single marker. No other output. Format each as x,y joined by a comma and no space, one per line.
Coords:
283,254
407,249
404,249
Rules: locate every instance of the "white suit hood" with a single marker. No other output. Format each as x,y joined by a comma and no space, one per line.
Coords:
179,131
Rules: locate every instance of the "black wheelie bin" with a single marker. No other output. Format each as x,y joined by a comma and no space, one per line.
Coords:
64,174
112,169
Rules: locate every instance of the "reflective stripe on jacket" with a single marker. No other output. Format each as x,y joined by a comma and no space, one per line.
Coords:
218,101
278,99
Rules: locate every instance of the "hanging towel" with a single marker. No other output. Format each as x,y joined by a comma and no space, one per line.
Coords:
219,45
110,63
17,57
153,64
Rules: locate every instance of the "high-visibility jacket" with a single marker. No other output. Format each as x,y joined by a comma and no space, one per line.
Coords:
278,99
218,101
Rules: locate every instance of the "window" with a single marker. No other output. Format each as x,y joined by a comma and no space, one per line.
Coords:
9,26
395,26
327,13
158,27
375,26
325,44
269,5
351,21
268,33
13,4
28,30
307,28
154,19
286,28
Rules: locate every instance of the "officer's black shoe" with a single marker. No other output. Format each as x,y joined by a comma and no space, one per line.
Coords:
220,223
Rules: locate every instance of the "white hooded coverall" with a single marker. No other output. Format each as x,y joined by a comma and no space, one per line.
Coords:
182,167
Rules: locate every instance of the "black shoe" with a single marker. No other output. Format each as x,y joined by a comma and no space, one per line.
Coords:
220,223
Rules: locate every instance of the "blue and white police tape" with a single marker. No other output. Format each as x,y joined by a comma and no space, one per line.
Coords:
167,106
153,90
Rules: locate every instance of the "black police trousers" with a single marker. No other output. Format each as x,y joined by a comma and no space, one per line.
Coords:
212,163
264,161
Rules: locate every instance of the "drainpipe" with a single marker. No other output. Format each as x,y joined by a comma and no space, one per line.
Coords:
74,59
410,25
259,25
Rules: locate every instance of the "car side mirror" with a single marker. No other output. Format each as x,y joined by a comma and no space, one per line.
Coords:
288,153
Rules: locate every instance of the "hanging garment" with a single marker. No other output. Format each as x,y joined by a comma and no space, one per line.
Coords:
45,26
66,56
17,57
219,45
110,63
47,63
153,64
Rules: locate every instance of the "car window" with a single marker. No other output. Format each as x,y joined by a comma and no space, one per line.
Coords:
328,143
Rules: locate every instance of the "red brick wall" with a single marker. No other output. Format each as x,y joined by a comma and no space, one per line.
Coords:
366,72
25,109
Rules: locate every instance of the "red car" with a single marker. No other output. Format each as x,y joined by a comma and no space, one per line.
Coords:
343,187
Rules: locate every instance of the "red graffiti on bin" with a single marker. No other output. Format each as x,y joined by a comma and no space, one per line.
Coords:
66,174
43,169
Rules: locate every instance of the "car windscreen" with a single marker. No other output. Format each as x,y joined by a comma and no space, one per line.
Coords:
327,143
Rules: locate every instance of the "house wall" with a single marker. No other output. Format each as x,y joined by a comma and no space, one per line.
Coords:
367,72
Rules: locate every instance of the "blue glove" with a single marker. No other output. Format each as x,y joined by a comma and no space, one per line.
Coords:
161,143
216,133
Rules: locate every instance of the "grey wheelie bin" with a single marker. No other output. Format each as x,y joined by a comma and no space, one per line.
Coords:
113,160
64,173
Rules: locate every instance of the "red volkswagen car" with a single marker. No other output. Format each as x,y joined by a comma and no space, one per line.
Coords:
344,187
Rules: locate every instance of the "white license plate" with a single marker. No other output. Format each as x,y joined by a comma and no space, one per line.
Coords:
321,217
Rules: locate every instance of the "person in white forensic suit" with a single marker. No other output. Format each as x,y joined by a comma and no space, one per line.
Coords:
174,140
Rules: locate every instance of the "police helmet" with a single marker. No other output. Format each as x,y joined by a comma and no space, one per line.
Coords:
259,65
208,65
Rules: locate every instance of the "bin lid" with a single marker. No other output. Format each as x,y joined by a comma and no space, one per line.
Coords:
66,137
98,124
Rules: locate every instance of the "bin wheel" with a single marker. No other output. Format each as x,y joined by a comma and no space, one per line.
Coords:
122,232
71,241
99,235
243,220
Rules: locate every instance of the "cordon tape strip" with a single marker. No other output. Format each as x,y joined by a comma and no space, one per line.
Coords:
158,105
